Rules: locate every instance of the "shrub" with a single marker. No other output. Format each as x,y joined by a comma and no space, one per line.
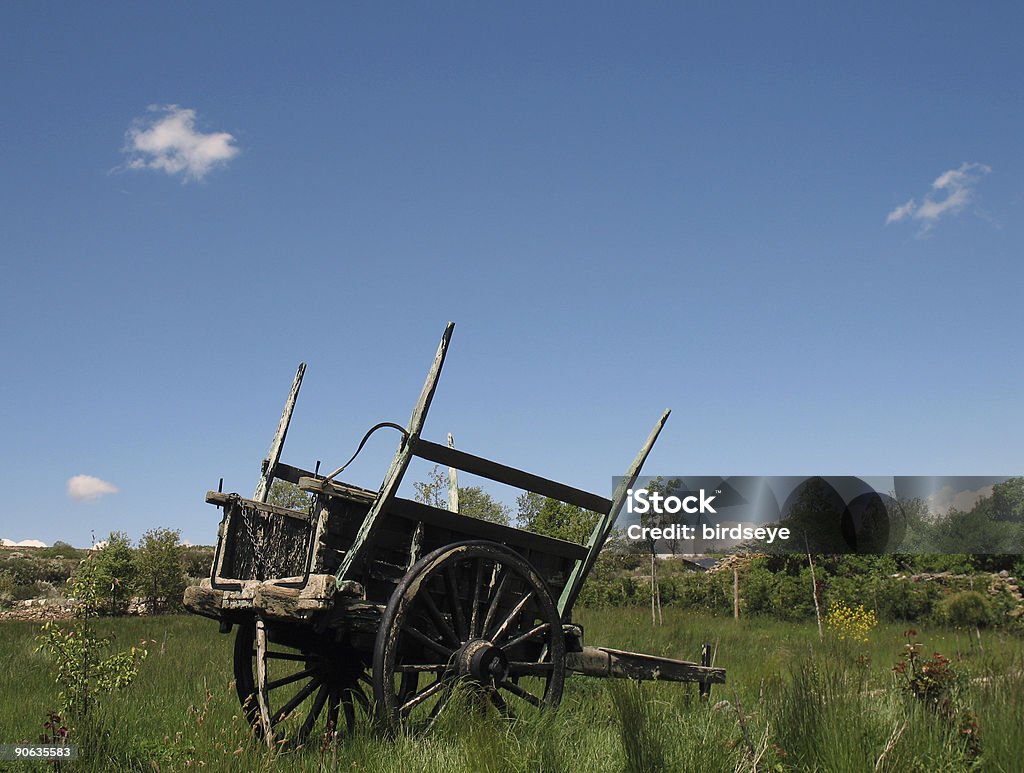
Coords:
159,569
852,623
968,608
7,587
81,669
940,687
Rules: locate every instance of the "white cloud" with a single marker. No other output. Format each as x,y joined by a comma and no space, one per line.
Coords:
901,212
950,193
86,488
169,142
946,499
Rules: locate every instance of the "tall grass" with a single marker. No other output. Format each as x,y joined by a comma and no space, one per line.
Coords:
792,703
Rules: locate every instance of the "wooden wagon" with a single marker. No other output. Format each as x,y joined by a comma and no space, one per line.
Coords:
374,605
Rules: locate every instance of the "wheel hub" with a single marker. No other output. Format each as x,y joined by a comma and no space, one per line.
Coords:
483,662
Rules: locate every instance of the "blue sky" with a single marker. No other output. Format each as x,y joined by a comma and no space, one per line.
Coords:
623,209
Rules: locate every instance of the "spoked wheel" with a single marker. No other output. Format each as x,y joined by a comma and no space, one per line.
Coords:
290,685
475,614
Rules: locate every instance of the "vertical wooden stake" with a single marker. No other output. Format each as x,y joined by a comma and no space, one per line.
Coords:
261,682
274,454
705,660
814,585
453,482
735,593
654,620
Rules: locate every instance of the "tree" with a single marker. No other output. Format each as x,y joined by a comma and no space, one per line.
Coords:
1008,500
528,507
544,515
434,490
477,503
288,495
160,571
110,572
473,500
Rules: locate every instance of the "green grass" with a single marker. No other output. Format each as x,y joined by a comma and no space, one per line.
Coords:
791,701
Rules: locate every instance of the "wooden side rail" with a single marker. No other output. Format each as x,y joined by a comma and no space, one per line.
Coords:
223,500
477,465
605,662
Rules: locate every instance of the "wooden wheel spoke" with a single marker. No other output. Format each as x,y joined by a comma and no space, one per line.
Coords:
453,599
356,693
416,668
500,704
438,707
492,608
527,696
497,606
526,636
424,694
425,640
275,683
314,712
350,711
474,612
298,698
364,702
435,614
333,703
291,656
511,618
521,668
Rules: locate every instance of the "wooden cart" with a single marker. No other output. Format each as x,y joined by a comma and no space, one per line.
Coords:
371,604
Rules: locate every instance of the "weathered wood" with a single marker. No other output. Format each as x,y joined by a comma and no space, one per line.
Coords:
204,600
606,523
291,474
485,468
405,641
274,601
274,453
453,481
225,500
262,691
606,662
336,488
476,528
400,463
241,600
355,615
705,661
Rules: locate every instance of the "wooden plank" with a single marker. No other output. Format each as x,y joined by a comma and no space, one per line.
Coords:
477,465
204,600
400,463
605,524
335,489
291,474
226,500
475,528
605,662
453,481
274,454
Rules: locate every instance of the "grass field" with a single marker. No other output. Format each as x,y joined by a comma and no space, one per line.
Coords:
791,703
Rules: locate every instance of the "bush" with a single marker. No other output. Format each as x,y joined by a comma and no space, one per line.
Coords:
900,599
966,609
7,587
109,573
159,568
853,623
